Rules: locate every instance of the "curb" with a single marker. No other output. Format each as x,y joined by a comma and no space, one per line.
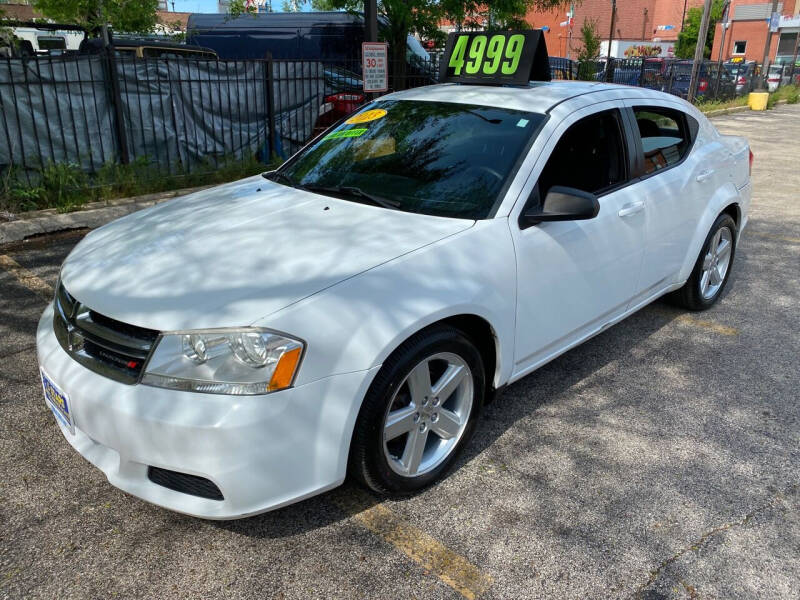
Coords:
735,109
93,214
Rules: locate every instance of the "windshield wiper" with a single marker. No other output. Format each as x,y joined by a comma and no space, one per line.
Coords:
352,192
279,175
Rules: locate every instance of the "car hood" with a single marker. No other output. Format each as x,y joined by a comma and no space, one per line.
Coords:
230,255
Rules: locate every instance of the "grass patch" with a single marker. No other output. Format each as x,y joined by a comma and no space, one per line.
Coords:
65,187
790,93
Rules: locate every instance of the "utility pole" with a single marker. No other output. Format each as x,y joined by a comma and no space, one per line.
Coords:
762,80
370,20
725,24
609,76
699,49
683,16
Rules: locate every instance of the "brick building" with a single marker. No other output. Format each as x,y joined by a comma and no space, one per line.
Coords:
641,25
747,27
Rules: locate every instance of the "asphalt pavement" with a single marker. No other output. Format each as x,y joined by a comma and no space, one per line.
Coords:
659,460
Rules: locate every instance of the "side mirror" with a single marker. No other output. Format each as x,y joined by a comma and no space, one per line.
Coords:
562,204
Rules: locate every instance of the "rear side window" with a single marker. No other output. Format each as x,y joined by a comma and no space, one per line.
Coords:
666,135
590,156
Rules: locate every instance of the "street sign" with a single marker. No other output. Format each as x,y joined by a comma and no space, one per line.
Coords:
774,22
500,58
374,61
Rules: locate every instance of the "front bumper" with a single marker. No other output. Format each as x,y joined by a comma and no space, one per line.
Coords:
262,452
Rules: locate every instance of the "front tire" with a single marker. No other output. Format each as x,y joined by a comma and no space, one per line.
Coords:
712,269
419,412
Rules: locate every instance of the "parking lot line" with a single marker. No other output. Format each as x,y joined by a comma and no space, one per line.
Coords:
26,278
433,556
710,325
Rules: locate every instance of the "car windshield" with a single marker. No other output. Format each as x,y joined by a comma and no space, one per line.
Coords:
434,158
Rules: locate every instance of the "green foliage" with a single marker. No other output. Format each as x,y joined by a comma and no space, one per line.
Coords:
66,187
123,15
590,50
687,38
793,98
422,17
237,8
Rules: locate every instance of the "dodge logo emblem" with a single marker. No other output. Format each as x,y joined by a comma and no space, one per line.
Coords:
74,339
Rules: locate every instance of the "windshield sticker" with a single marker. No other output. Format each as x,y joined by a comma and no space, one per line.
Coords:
367,116
522,122
347,133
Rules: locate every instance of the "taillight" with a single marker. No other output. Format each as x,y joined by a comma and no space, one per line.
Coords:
750,171
702,86
344,98
741,81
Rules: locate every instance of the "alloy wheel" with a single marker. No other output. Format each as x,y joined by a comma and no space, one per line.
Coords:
716,263
428,414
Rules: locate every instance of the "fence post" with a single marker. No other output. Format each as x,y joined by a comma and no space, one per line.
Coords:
269,83
116,103
719,75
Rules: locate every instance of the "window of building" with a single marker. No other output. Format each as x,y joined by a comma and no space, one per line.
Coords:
739,47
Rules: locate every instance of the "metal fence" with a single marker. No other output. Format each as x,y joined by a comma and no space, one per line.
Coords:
182,114
715,80
179,114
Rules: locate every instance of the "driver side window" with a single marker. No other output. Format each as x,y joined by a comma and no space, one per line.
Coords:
590,156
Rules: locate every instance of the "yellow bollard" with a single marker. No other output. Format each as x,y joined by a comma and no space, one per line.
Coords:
758,100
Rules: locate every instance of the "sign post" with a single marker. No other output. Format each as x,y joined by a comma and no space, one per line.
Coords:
374,66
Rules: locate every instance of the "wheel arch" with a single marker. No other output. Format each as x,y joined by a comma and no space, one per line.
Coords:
726,202
735,211
480,332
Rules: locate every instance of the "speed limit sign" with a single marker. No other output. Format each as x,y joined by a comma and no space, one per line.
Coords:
374,66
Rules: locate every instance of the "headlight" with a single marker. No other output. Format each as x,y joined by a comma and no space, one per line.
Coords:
242,362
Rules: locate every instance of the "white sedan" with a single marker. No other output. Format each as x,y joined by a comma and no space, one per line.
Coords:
247,346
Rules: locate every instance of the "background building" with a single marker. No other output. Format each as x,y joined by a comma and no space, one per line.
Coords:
747,27
642,26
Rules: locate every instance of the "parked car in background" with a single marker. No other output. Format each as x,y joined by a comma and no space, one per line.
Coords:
774,77
562,68
329,37
147,48
742,75
712,80
634,71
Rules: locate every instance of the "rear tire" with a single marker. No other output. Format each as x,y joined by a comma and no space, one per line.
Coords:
712,269
419,412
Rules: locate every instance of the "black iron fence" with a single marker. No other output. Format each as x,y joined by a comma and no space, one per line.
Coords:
715,80
178,114
181,114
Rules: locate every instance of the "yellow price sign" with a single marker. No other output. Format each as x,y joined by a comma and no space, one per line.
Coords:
367,116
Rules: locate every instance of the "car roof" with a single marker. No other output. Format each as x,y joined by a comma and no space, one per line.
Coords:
537,96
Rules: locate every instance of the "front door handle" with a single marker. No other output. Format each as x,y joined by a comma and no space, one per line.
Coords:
703,175
631,208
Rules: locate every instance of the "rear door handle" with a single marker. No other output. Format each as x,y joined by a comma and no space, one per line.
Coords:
703,175
631,208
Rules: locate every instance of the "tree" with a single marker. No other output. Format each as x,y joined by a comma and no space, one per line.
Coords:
687,38
422,17
590,51
292,5
122,15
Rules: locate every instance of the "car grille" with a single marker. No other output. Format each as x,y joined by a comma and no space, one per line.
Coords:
185,483
104,345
